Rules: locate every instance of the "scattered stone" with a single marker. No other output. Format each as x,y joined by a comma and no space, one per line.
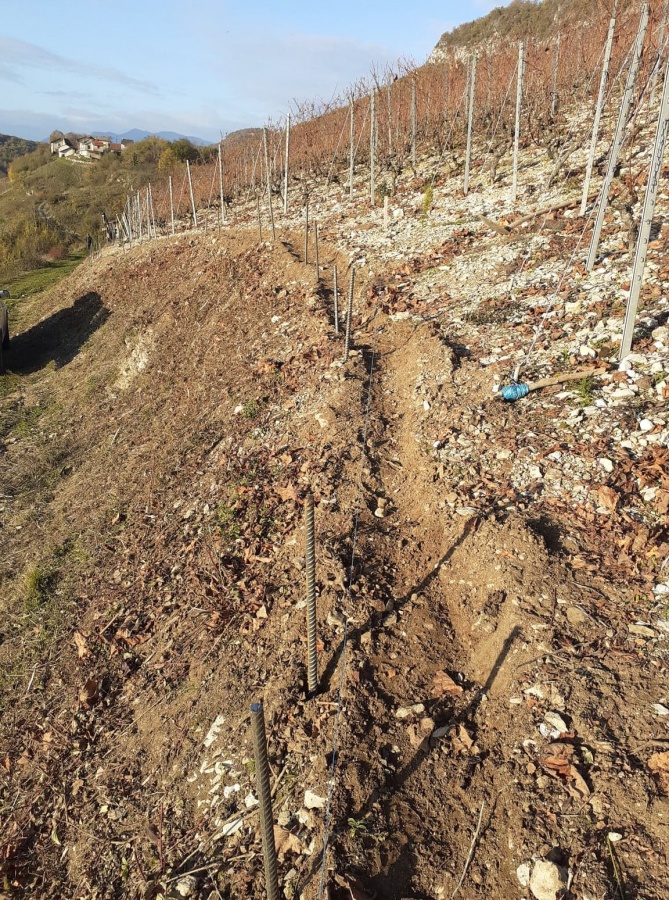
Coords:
523,874
313,801
575,616
553,726
406,712
186,886
641,630
547,880
606,464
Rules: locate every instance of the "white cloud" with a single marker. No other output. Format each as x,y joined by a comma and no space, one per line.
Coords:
17,55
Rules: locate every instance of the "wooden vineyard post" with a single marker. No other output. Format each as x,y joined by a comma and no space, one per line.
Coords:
372,147
598,114
269,185
618,139
647,213
349,315
389,105
351,159
519,103
259,218
192,196
556,64
220,181
171,203
285,172
306,232
660,44
139,216
385,213
153,211
470,123
335,295
316,260
413,122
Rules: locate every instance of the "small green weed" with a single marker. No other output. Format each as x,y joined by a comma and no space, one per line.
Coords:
357,828
226,522
250,409
363,828
428,199
583,389
41,581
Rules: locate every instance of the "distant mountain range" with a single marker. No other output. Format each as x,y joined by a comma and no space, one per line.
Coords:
136,134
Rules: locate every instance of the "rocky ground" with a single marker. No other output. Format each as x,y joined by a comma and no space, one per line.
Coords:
492,590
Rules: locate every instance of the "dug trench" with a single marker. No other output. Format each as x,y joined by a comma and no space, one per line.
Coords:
489,710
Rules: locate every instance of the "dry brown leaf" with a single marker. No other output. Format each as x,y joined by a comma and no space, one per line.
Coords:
89,692
81,644
659,766
286,842
659,762
558,762
608,498
353,889
444,684
288,492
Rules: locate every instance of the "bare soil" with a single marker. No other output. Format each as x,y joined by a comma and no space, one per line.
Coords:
166,411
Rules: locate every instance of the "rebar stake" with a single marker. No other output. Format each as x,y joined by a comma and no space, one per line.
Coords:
312,667
265,797
336,302
349,313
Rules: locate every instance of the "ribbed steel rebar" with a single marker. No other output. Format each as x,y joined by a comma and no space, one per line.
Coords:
310,555
349,313
318,268
265,797
336,302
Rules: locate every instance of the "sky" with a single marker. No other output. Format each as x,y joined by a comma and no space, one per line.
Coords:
203,68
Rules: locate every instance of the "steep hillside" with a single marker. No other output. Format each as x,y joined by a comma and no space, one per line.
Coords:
11,148
492,646
542,20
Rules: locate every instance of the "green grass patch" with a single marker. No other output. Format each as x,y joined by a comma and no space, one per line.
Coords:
41,279
8,384
28,418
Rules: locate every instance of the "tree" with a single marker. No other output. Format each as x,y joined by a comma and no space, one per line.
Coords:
184,150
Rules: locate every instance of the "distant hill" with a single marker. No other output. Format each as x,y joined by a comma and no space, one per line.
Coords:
136,134
243,136
11,147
